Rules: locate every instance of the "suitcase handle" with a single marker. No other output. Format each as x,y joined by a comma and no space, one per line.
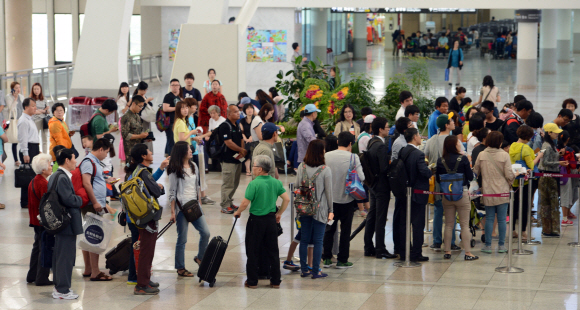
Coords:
236,217
164,229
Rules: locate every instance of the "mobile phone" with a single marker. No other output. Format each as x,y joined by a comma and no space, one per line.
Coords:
115,180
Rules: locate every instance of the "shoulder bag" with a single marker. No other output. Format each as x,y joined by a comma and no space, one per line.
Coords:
12,130
149,114
191,210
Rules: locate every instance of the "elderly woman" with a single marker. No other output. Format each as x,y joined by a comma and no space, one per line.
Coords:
214,122
59,131
37,188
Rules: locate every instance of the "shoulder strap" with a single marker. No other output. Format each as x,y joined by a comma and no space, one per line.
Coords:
371,142
34,191
316,173
457,164
407,155
490,89
445,165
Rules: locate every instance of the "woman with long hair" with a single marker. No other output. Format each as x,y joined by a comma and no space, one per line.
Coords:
313,227
265,114
264,98
451,160
14,106
280,109
183,176
42,111
347,121
122,107
489,92
245,128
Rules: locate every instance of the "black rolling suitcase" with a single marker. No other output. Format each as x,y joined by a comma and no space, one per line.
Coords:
117,259
212,259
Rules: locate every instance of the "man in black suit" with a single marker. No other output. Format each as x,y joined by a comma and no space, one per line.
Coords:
380,191
418,175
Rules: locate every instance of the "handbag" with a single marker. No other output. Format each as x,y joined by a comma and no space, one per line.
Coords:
45,121
353,184
96,234
148,114
191,210
12,129
447,75
23,176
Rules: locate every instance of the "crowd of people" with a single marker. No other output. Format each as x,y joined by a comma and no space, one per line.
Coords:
470,146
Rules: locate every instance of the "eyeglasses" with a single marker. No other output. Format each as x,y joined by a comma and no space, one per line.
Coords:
141,106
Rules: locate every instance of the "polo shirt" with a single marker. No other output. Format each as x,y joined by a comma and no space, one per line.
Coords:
98,125
263,192
231,132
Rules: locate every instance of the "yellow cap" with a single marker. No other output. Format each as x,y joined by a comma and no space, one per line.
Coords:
551,127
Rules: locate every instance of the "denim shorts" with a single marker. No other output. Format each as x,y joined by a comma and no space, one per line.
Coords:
297,239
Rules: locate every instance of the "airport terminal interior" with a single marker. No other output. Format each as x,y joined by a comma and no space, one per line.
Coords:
87,48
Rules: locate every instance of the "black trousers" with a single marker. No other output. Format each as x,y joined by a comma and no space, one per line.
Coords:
262,240
36,273
343,213
525,208
417,227
33,150
169,142
377,221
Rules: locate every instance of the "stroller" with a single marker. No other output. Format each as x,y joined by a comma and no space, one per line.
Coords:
474,219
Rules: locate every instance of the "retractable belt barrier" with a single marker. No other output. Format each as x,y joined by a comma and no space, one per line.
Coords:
418,191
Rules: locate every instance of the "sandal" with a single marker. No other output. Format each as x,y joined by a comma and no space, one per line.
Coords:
248,174
184,273
102,277
86,275
197,260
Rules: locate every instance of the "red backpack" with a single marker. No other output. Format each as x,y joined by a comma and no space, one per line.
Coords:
77,181
85,131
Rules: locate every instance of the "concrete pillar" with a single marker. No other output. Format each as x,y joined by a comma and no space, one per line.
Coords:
319,26
548,39
102,50
150,29
50,31
576,34
18,23
74,10
527,71
360,36
2,38
563,30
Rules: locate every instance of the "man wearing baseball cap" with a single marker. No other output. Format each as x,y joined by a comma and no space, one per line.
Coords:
305,132
266,145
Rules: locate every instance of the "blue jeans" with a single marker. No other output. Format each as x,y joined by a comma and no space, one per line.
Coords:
182,225
134,237
438,224
490,212
312,230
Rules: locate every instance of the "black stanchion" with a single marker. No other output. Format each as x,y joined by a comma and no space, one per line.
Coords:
292,215
577,243
427,229
509,268
529,241
408,263
520,250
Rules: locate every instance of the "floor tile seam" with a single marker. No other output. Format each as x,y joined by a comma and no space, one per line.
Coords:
481,286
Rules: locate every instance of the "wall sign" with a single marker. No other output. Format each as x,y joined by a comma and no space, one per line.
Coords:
266,45
528,16
402,10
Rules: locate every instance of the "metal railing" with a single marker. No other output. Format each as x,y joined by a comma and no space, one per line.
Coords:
56,80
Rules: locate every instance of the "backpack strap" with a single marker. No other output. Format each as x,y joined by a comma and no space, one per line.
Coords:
371,142
316,173
454,168
34,191
94,168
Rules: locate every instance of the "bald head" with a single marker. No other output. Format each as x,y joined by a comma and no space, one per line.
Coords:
233,113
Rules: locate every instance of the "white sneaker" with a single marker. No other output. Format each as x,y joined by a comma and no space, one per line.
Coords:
69,295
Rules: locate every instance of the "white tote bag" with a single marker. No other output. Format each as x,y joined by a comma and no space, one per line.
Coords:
148,114
96,234
12,131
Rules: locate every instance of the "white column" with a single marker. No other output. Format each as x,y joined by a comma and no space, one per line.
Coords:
208,12
50,30
548,51
527,71
319,28
2,38
74,10
564,34
576,34
18,25
360,36
101,58
150,30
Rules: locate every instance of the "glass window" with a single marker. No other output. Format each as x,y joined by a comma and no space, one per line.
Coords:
63,38
81,22
39,41
135,36
306,33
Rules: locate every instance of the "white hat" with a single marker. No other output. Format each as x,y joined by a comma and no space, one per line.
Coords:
369,118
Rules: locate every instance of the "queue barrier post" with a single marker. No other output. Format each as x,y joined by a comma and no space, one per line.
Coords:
292,211
509,268
408,263
531,205
520,250
577,243
427,229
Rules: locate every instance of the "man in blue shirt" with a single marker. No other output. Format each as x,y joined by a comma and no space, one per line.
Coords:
441,107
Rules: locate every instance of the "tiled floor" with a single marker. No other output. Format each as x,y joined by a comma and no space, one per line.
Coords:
550,279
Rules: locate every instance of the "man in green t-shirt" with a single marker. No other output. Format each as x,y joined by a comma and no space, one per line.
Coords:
261,229
99,125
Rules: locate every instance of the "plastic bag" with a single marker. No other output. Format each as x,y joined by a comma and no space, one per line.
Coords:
96,235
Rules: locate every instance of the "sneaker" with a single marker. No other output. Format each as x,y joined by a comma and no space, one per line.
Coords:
233,206
567,223
207,201
571,215
486,249
436,247
153,284
131,282
455,248
305,274
228,210
319,275
363,213
502,249
340,265
327,263
145,290
291,266
70,295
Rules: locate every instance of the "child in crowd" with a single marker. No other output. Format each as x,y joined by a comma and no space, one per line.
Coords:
568,194
465,105
87,142
288,263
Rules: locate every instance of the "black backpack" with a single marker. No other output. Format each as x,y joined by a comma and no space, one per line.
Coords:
397,176
217,147
371,176
52,215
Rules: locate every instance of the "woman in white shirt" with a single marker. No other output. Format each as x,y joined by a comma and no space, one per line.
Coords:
215,118
14,104
265,115
489,92
207,84
42,111
122,107
476,123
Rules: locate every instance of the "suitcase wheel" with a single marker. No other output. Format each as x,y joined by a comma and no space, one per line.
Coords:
199,280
